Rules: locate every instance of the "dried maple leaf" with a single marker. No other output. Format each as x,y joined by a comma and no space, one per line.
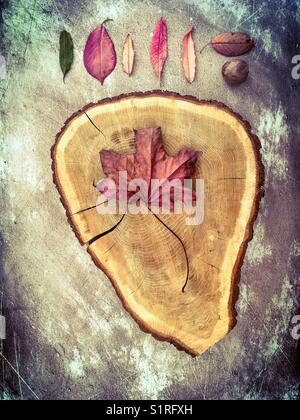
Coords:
149,162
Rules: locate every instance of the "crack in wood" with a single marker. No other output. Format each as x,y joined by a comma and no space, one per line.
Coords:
101,235
224,179
94,125
210,265
89,208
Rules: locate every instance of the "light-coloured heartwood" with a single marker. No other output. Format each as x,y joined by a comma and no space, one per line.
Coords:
141,257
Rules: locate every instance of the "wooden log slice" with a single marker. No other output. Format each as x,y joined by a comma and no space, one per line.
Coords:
141,257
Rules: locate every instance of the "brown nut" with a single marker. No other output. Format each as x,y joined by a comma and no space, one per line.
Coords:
235,72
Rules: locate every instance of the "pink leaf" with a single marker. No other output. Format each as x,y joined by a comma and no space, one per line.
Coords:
159,47
99,55
189,56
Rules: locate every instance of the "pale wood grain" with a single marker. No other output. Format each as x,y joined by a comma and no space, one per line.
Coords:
142,259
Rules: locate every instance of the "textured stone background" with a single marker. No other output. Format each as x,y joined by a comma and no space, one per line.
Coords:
68,334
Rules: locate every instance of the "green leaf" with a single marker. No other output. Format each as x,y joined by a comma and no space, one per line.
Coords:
66,52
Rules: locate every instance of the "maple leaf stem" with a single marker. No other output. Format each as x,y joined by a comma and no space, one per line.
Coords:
183,246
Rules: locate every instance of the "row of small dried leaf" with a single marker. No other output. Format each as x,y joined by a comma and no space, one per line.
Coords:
100,57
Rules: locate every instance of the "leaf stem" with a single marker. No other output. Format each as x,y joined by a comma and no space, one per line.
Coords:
183,246
205,46
106,21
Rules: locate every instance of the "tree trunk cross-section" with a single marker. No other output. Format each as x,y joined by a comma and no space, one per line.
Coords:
143,260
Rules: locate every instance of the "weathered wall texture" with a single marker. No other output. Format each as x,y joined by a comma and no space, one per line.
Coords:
68,334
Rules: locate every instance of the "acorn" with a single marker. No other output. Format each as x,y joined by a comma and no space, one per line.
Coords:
235,72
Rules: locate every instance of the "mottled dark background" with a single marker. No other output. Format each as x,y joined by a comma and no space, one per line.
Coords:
68,336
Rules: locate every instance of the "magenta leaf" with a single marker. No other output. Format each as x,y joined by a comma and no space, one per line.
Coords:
100,57
159,47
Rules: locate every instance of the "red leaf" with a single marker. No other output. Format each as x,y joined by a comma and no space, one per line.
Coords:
150,162
99,55
189,56
128,56
159,47
232,44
